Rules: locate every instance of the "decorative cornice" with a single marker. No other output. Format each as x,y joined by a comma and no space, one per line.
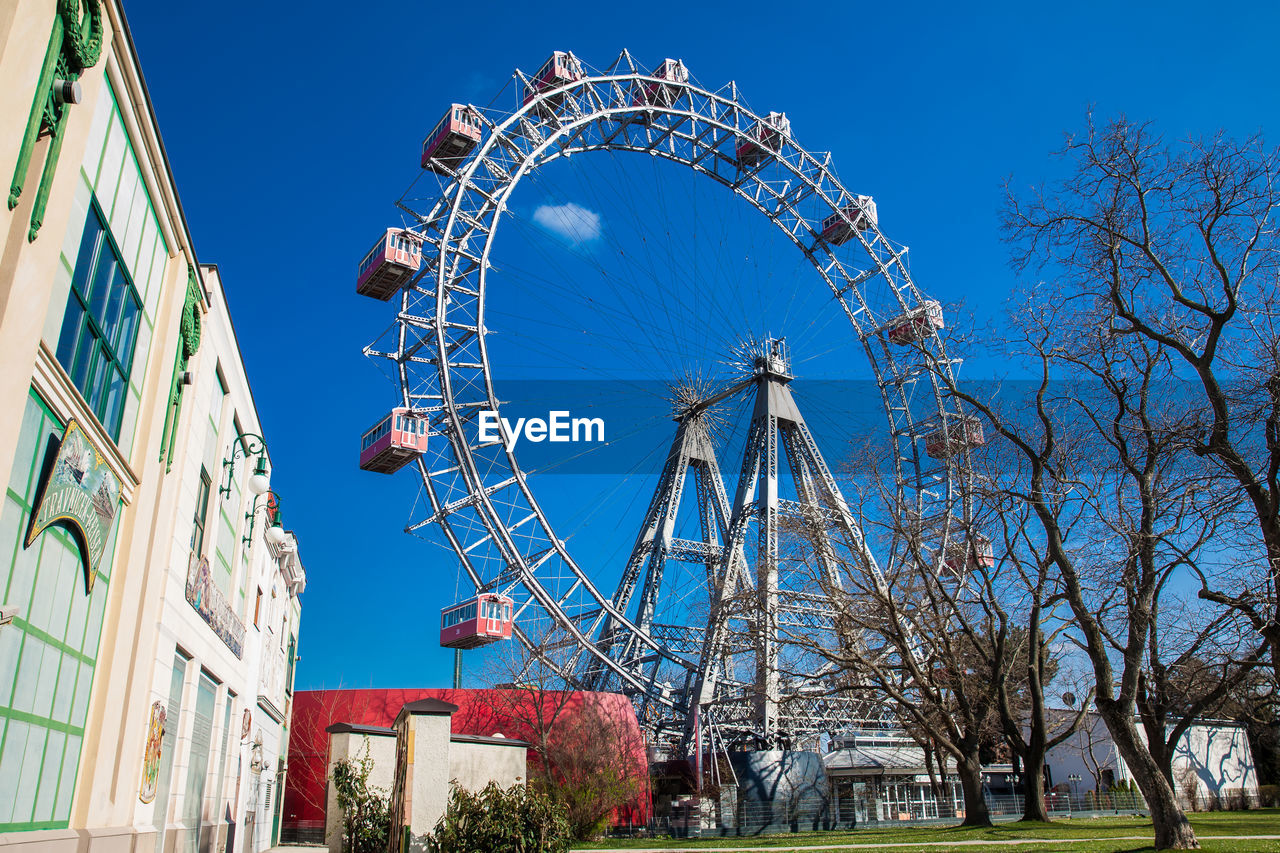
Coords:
270,709
55,387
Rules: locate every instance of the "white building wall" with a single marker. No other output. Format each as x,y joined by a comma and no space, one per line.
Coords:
1211,759
204,439
1214,759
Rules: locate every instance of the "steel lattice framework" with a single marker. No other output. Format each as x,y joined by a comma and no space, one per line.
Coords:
482,501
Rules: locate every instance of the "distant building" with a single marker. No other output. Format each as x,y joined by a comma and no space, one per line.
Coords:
879,776
885,776
148,627
1212,759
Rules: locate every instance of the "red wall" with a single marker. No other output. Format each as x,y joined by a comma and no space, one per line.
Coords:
480,712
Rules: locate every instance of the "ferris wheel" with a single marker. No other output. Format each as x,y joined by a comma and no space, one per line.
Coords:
710,628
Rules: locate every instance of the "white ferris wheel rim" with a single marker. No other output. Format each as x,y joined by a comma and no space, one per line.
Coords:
554,118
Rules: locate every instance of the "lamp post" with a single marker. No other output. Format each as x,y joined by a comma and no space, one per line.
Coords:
274,533
246,445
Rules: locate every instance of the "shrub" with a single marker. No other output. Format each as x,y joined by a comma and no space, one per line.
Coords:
590,766
366,811
1236,800
512,821
1268,796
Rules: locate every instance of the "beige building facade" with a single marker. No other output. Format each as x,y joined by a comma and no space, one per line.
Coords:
149,608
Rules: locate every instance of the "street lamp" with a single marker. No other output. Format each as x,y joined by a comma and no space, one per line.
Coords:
1074,779
274,534
247,444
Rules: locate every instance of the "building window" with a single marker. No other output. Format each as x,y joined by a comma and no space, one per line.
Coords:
100,326
202,509
257,609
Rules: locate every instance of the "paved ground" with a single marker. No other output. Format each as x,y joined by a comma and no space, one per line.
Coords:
915,844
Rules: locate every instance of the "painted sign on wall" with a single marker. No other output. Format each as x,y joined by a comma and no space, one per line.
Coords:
82,493
151,757
213,606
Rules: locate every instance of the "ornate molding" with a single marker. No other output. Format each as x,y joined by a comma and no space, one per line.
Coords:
55,387
75,44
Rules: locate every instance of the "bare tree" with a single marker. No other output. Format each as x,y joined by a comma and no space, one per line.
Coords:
530,695
588,751
1178,245
1112,497
1195,660
1021,593
313,712
912,636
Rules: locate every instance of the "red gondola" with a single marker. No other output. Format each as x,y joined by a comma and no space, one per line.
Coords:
915,325
764,139
960,435
393,442
562,68
451,140
969,554
482,620
390,264
836,228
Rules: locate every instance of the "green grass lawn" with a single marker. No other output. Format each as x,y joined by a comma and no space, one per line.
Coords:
1259,822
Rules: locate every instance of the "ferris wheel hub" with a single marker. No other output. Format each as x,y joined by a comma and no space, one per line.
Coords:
773,360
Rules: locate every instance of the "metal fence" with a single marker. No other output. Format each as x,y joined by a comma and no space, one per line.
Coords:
724,817
302,832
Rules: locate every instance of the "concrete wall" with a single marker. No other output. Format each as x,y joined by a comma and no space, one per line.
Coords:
1211,758
475,764
429,759
381,749
429,779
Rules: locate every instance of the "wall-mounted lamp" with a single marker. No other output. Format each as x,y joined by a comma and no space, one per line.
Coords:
274,533
67,91
247,444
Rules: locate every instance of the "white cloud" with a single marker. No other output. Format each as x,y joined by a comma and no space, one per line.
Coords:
573,222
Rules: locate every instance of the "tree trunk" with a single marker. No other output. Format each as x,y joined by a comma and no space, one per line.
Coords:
1173,831
975,805
1033,807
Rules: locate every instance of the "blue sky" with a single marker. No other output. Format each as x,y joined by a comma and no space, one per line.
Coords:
291,130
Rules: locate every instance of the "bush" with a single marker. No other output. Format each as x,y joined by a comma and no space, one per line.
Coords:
513,821
1268,796
590,766
366,811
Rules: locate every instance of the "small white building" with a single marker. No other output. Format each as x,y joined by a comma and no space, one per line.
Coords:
883,776
1211,760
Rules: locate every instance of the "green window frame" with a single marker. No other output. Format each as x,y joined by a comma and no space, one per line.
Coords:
100,325
202,513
